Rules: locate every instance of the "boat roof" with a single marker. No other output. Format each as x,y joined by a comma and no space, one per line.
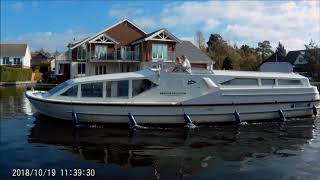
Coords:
257,74
117,76
149,72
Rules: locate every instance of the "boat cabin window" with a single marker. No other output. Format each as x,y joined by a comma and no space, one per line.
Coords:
288,82
117,88
268,82
59,87
241,82
73,91
91,90
141,85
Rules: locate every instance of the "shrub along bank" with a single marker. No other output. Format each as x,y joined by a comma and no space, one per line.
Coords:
9,74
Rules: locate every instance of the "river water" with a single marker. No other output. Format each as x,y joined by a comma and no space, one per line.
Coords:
248,151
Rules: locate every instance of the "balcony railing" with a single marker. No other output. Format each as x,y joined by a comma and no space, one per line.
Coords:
169,56
131,56
117,55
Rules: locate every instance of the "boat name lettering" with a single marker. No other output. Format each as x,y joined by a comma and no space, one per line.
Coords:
173,93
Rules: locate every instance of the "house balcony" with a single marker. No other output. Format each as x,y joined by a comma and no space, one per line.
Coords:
116,56
169,56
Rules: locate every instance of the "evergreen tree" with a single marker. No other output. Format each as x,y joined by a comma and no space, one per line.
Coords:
281,50
264,49
214,39
312,55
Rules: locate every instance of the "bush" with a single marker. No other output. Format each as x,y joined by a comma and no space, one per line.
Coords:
8,74
37,76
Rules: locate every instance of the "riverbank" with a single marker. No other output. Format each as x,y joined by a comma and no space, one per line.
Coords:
28,85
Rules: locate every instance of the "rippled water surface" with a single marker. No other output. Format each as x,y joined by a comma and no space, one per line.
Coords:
249,151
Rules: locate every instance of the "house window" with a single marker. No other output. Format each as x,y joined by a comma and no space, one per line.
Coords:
16,61
81,52
5,60
60,69
137,52
241,82
91,90
159,51
81,68
125,53
141,85
117,88
101,52
73,91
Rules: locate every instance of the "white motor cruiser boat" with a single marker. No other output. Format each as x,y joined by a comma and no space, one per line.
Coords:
151,96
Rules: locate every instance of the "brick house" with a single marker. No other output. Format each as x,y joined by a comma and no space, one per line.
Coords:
124,47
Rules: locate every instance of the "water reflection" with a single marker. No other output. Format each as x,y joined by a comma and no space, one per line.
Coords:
13,103
176,151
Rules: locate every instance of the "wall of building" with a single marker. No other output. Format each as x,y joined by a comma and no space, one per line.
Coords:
27,58
111,67
276,67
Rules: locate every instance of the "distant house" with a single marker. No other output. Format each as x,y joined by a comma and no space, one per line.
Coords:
295,61
39,58
125,47
15,55
60,66
276,63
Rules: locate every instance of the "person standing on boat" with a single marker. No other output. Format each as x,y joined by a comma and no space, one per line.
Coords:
186,66
178,65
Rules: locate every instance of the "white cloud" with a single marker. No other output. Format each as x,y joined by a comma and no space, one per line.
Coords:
49,41
210,24
145,22
293,23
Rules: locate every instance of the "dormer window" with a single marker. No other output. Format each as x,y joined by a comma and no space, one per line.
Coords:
159,52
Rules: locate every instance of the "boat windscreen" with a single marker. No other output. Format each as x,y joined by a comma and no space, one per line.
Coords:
59,87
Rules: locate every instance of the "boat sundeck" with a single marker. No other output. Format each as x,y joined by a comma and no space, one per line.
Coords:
154,97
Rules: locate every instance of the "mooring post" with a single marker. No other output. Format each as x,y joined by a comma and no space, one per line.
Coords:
282,117
188,121
237,116
315,112
132,120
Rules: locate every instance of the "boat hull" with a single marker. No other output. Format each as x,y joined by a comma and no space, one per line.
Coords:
173,114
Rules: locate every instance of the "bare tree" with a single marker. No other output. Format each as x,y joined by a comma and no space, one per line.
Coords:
199,40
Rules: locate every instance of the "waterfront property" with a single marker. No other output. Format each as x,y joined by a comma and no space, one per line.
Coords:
295,61
15,55
39,58
125,47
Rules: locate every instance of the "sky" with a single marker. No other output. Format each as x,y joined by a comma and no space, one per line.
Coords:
51,25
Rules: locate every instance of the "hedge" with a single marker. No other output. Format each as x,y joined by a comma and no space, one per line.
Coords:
9,74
